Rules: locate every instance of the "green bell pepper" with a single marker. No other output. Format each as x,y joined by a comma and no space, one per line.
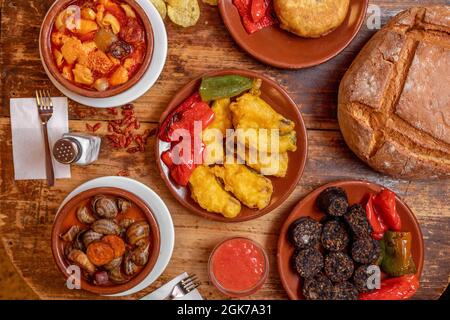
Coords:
398,259
214,88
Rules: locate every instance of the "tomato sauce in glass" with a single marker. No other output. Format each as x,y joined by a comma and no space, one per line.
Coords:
238,266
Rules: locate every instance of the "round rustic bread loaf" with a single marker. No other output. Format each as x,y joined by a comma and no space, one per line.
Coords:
394,101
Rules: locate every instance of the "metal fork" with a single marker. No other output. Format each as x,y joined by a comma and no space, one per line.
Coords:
45,108
183,287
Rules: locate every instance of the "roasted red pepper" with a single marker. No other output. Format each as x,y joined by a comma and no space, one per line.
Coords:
384,204
176,115
258,9
184,117
378,226
400,288
244,8
183,171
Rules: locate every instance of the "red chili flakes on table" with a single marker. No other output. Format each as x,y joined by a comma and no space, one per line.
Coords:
123,133
123,173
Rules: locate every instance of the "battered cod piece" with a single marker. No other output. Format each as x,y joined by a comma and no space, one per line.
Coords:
210,195
269,165
214,152
251,188
252,112
259,140
311,18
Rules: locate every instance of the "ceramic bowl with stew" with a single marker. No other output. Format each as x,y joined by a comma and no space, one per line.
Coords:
110,235
96,49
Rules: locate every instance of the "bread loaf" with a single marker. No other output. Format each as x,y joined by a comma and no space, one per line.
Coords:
394,101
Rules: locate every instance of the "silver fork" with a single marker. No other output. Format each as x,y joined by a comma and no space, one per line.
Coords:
45,108
183,287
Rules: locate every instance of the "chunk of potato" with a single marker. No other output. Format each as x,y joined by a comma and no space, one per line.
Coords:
88,14
120,76
72,50
59,58
59,38
87,26
83,74
67,72
110,20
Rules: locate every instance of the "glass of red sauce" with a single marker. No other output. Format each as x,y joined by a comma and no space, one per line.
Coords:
238,267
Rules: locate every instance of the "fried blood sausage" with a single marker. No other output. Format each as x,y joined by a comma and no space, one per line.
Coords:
308,262
318,287
338,266
333,201
305,232
357,220
334,236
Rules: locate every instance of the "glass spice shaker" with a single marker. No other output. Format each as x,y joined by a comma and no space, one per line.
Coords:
77,148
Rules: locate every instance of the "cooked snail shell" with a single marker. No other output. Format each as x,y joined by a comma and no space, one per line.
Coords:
123,205
116,276
115,263
140,255
78,241
138,233
105,207
90,236
106,226
84,215
81,259
71,233
125,223
129,266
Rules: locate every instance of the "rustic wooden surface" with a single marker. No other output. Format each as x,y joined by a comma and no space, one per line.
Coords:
27,208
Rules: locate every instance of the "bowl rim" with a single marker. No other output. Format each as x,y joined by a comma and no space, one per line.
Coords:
48,61
311,196
301,131
223,6
61,261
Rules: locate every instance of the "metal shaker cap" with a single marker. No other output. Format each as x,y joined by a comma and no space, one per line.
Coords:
66,151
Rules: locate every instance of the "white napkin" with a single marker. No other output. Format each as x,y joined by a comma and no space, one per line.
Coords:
166,289
28,138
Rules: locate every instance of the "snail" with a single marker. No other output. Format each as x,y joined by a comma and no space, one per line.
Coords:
140,255
71,233
106,226
80,259
138,233
129,266
123,205
84,215
90,236
105,207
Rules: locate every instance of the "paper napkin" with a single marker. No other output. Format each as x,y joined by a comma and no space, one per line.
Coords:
28,138
166,289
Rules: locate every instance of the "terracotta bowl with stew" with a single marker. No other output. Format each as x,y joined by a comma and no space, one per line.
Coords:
145,53
138,211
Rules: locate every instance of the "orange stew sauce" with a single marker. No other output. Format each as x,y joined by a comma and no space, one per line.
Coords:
98,44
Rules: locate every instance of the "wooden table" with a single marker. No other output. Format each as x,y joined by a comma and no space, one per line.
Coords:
27,208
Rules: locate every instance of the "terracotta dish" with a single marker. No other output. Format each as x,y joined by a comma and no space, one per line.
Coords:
356,192
46,47
67,217
282,49
278,98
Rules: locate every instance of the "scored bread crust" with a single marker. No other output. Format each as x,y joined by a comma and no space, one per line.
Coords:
394,101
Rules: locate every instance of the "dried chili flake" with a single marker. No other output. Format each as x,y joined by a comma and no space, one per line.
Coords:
96,127
89,127
133,150
112,111
128,106
123,173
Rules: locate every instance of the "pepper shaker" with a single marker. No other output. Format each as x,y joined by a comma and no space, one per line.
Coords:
77,148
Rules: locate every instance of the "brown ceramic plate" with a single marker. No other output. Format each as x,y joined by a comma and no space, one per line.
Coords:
66,218
356,192
49,62
278,98
279,48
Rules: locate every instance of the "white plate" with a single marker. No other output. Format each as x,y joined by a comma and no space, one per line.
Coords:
159,209
148,79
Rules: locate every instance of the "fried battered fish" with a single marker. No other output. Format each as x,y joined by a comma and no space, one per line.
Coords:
210,195
252,112
270,164
251,188
214,134
311,18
